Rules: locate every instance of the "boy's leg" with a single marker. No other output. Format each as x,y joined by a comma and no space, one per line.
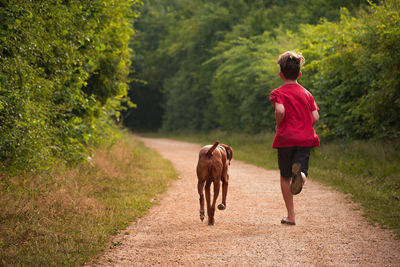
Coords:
297,180
285,157
300,168
302,156
288,198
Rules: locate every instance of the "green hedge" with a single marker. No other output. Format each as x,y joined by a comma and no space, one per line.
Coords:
353,71
63,76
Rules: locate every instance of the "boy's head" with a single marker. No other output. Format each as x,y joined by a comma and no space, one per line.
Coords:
290,63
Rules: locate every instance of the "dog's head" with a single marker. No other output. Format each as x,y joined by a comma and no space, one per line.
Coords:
229,151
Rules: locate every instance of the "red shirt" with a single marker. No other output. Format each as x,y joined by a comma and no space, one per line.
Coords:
296,129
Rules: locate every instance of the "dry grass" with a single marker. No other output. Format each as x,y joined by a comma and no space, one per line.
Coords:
67,216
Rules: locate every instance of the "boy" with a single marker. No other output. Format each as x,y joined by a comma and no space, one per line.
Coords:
296,113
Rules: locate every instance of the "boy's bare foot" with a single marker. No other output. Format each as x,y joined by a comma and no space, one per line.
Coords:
285,220
297,179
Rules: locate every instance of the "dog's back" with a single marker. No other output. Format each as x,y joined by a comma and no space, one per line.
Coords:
209,165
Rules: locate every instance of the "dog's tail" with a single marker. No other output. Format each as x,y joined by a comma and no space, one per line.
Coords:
211,150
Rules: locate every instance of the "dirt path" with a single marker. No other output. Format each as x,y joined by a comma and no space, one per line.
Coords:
329,230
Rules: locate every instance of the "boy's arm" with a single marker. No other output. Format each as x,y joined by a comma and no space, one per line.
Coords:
279,113
315,116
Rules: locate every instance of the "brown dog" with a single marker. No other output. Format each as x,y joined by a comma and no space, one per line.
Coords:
213,168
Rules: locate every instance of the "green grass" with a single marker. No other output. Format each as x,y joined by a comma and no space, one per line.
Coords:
369,171
67,216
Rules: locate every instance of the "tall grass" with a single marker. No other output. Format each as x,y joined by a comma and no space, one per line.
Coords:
369,171
66,216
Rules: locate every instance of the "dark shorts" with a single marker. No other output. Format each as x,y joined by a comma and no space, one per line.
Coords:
289,155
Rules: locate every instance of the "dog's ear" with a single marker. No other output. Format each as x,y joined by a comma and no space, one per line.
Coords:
229,151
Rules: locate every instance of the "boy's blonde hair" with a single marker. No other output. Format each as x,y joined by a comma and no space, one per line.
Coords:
290,63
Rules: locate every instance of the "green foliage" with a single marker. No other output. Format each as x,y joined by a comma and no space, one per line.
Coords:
64,67
352,72
246,67
188,99
214,61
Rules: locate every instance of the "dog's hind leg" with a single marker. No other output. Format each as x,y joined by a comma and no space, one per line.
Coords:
212,208
225,181
200,188
208,199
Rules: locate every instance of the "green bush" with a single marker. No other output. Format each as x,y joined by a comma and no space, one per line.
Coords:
63,77
353,69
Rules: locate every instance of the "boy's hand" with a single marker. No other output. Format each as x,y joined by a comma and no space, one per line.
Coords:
279,113
315,116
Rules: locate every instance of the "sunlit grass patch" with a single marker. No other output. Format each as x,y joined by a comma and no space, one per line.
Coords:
66,217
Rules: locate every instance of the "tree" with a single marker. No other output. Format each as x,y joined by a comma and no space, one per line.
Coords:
353,72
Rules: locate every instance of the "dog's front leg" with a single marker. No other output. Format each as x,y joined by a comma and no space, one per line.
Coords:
212,209
208,199
200,188
225,180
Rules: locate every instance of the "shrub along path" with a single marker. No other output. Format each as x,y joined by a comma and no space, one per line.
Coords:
330,229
